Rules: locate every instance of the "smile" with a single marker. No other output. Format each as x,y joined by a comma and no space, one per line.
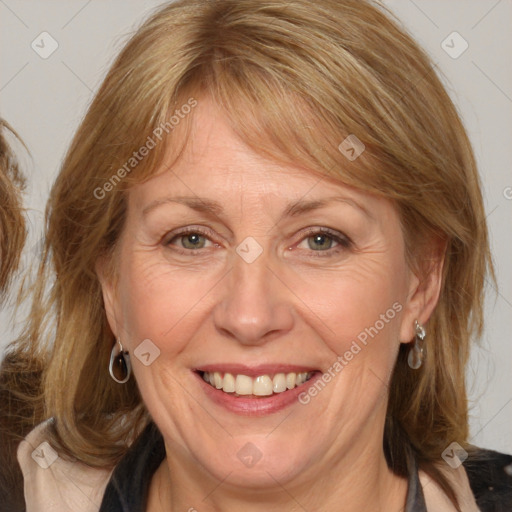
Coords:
262,385
254,390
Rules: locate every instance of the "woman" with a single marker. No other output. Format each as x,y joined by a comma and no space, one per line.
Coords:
269,249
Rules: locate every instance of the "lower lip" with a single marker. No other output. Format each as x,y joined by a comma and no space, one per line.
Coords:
255,406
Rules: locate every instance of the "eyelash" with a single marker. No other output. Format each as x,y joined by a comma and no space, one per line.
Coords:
343,241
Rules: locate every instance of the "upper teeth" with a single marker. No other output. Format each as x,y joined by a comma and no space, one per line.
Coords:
261,386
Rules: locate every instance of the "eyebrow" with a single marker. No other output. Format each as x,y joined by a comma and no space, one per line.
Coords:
215,209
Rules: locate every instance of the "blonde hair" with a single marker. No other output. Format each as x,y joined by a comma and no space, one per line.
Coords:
12,221
294,79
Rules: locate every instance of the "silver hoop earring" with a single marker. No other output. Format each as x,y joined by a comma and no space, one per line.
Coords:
416,352
119,363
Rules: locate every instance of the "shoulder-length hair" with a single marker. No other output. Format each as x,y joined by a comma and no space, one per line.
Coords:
294,78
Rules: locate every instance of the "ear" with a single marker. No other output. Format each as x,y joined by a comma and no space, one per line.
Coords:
107,280
424,288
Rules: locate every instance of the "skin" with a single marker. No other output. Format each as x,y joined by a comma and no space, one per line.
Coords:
299,302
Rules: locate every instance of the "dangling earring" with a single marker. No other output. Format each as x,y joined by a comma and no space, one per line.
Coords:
416,354
119,363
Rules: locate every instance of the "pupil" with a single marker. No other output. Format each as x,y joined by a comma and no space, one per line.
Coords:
192,240
321,241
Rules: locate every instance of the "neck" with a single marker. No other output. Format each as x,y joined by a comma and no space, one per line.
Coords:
359,480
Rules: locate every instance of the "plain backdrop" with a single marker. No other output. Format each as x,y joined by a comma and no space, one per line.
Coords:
45,98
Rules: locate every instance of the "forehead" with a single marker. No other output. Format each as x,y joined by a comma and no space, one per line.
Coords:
217,163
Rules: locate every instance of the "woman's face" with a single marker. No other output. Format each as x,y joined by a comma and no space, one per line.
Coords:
258,274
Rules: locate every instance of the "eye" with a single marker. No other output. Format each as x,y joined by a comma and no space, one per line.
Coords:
190,239
325,240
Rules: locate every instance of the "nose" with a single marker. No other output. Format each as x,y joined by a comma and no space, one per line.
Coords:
255,304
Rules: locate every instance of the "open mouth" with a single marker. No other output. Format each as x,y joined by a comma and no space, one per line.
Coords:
239,385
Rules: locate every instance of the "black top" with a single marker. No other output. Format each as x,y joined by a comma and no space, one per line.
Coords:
128,487
489,474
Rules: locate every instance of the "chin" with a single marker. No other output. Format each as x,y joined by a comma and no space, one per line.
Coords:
258,463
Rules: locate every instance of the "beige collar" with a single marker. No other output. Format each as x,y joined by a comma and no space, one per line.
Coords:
437,501
51,482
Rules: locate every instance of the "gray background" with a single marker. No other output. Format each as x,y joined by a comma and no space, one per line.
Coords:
44,99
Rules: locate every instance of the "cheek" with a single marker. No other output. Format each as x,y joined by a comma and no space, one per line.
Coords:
159,302
356,309
357,312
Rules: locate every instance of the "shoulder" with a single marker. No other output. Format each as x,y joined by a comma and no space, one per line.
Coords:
55,482
490,477
481,480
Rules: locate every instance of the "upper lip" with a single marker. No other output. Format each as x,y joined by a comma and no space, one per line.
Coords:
255,370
